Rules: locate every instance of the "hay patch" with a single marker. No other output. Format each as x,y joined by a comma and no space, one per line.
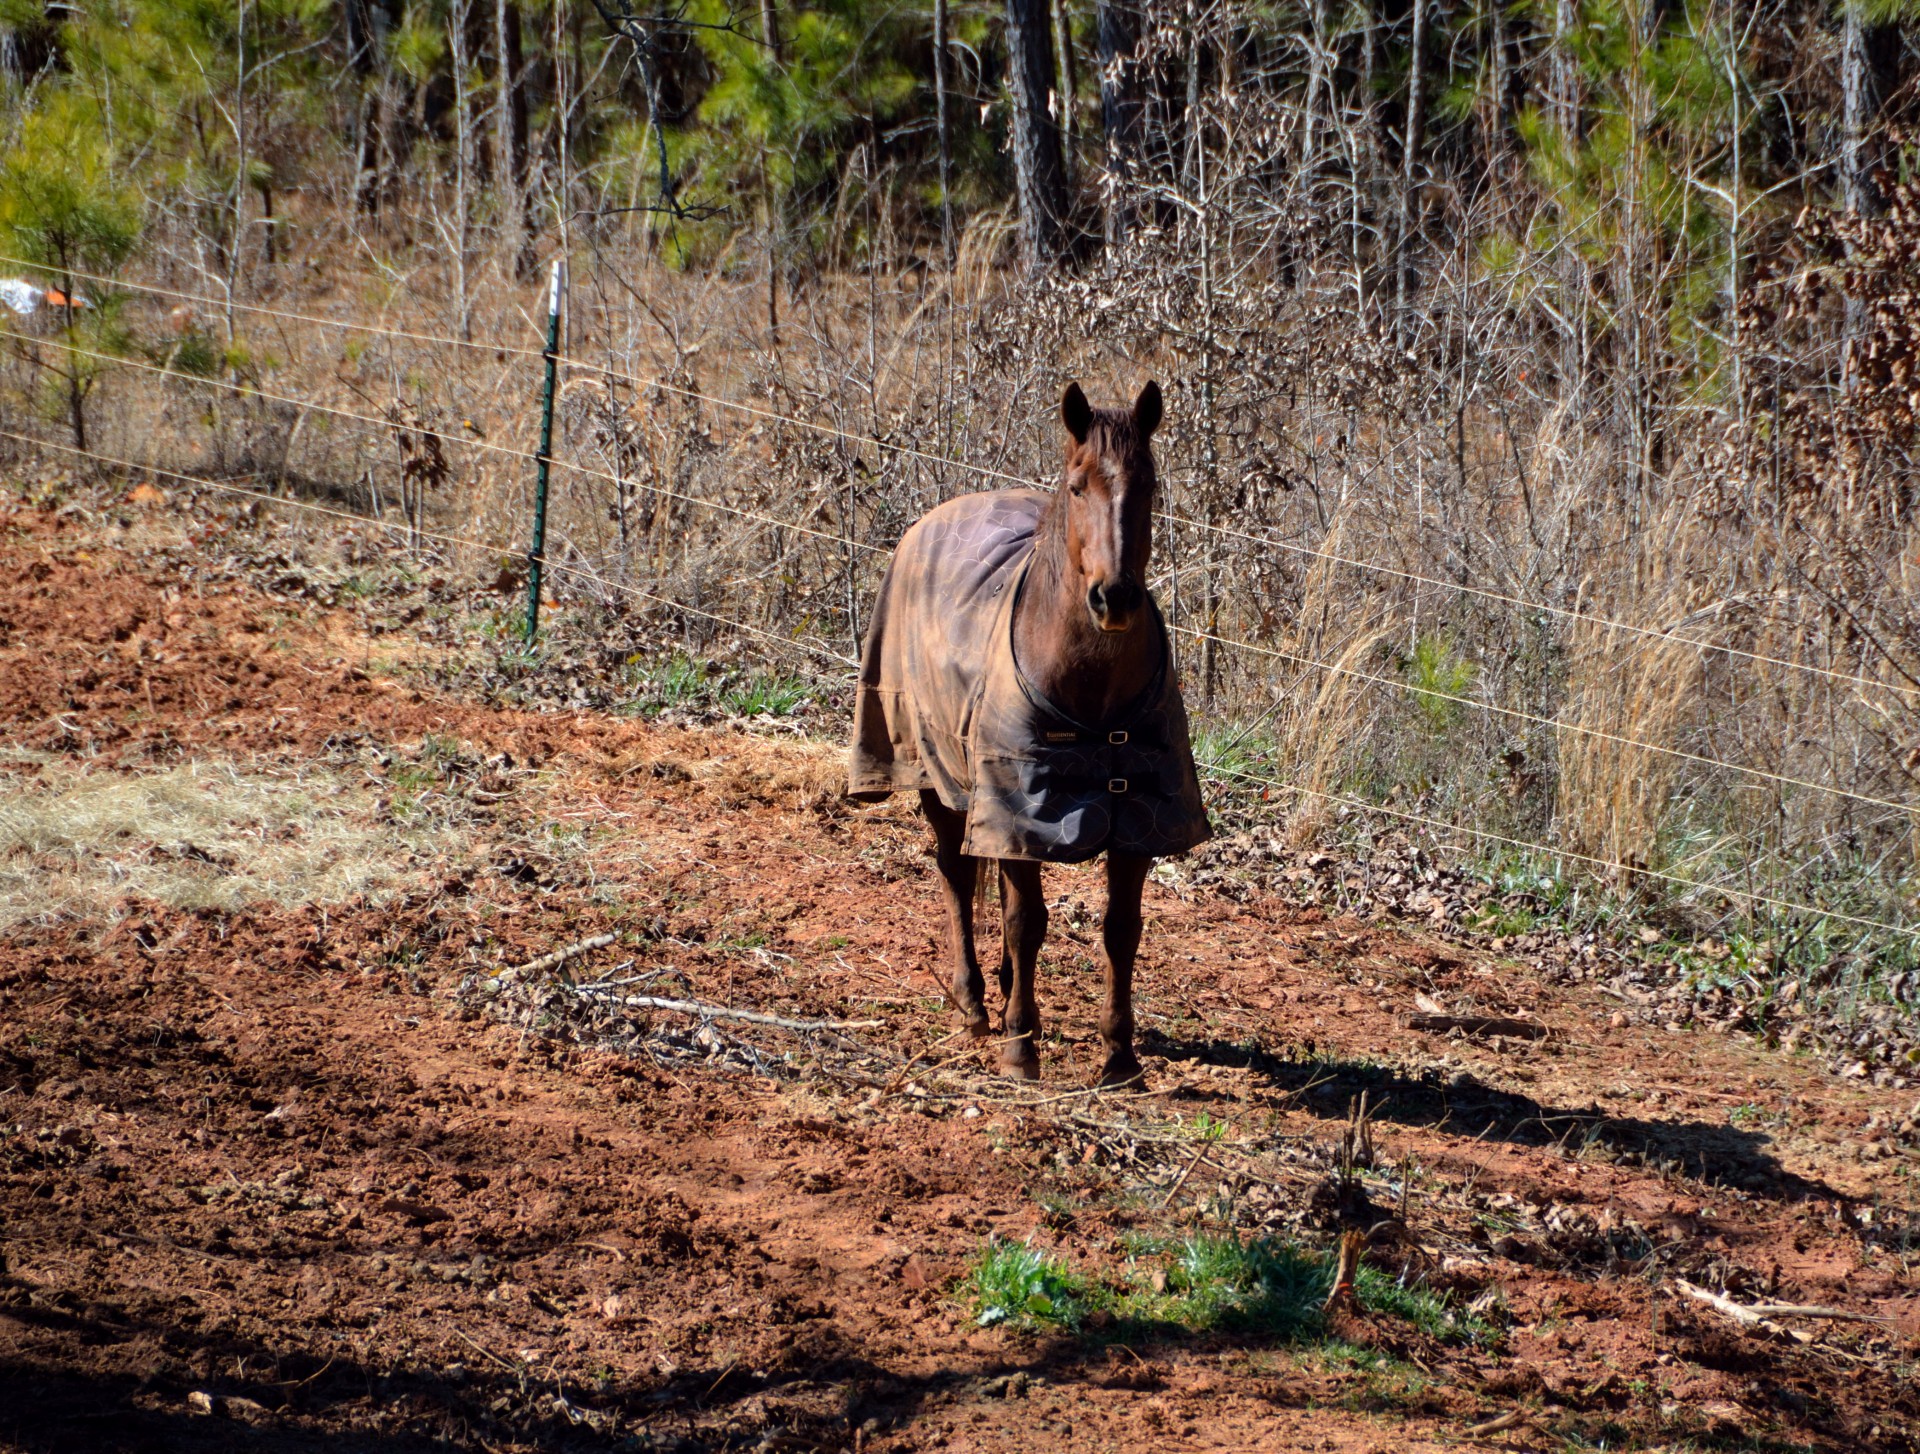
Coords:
76,843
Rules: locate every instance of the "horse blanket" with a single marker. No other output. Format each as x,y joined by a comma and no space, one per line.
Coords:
944,705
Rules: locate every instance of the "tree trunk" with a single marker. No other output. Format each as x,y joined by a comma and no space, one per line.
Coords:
1120,107
1498,85
510,131
940,127
457,22
361,19
1566,72
1410,162
1860,102
776,221
1572,268
1039,167
1063,84
1863,54
1316,79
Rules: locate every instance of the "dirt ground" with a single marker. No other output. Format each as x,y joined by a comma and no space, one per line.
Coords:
296,1174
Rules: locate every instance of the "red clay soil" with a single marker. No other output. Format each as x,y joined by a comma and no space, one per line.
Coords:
268,1181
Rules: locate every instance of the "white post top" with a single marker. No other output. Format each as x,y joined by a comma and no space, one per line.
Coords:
553,293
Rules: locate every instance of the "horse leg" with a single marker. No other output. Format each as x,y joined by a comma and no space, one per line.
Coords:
1120,941
966,989
1024,927
1006,945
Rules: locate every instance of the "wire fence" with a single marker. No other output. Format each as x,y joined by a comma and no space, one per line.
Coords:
1425,693
1265,540
818,652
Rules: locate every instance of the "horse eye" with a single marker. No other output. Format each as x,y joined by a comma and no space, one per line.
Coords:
1078,487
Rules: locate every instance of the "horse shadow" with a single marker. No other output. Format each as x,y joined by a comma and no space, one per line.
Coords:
1718,1153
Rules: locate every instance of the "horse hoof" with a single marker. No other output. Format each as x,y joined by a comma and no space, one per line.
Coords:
978,1025
1118,1074
1020,1069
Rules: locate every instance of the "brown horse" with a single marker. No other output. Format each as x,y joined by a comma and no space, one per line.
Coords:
1017,674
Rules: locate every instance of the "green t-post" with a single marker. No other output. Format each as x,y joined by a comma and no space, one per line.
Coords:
538,554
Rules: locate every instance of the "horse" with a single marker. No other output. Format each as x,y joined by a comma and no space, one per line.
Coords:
1017,674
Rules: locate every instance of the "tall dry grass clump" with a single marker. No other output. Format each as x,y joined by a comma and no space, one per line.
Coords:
1632,701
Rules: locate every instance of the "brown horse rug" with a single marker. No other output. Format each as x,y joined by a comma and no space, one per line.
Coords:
944,705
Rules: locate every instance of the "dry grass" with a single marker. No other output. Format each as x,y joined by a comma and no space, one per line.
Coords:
1627,697
740,770
77,843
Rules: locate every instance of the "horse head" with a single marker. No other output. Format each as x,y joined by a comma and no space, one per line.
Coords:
1108,494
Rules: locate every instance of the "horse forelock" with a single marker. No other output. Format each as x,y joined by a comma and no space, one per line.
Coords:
1113,437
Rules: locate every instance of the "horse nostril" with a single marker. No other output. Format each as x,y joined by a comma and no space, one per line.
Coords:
1097,599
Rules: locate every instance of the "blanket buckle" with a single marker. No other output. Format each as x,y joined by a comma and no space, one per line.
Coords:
1118,739
1116,785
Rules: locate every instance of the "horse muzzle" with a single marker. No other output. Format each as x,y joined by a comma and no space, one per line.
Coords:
1114,605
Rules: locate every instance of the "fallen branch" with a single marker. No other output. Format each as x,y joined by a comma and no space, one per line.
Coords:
1479,1025
562,955
723,1012
1198,1157
1511,1419
1755,1315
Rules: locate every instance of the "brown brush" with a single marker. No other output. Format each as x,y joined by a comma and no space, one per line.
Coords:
1351,1244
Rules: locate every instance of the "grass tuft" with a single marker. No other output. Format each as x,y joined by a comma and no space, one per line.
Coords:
1263,1288
1024,1286
1271,1288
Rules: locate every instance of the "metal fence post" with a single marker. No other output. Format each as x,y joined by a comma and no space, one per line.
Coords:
538,554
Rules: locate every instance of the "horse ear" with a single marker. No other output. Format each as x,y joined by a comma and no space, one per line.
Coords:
1146,410
1076,413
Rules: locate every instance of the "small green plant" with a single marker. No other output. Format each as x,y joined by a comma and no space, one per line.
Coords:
1207,1128
1057,1209
1261,1286
1021,1284
1232,749
410,777
1438,678
676,683
1380,1292
771,696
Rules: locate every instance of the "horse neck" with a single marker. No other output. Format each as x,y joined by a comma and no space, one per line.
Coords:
1088,673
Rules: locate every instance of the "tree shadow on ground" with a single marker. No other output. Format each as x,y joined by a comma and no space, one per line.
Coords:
827,1392
1716,1152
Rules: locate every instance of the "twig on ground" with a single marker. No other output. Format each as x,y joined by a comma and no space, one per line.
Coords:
913,1068
486,1352
724,1012
1761,1315
1499,1424
1198,1157
561,955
